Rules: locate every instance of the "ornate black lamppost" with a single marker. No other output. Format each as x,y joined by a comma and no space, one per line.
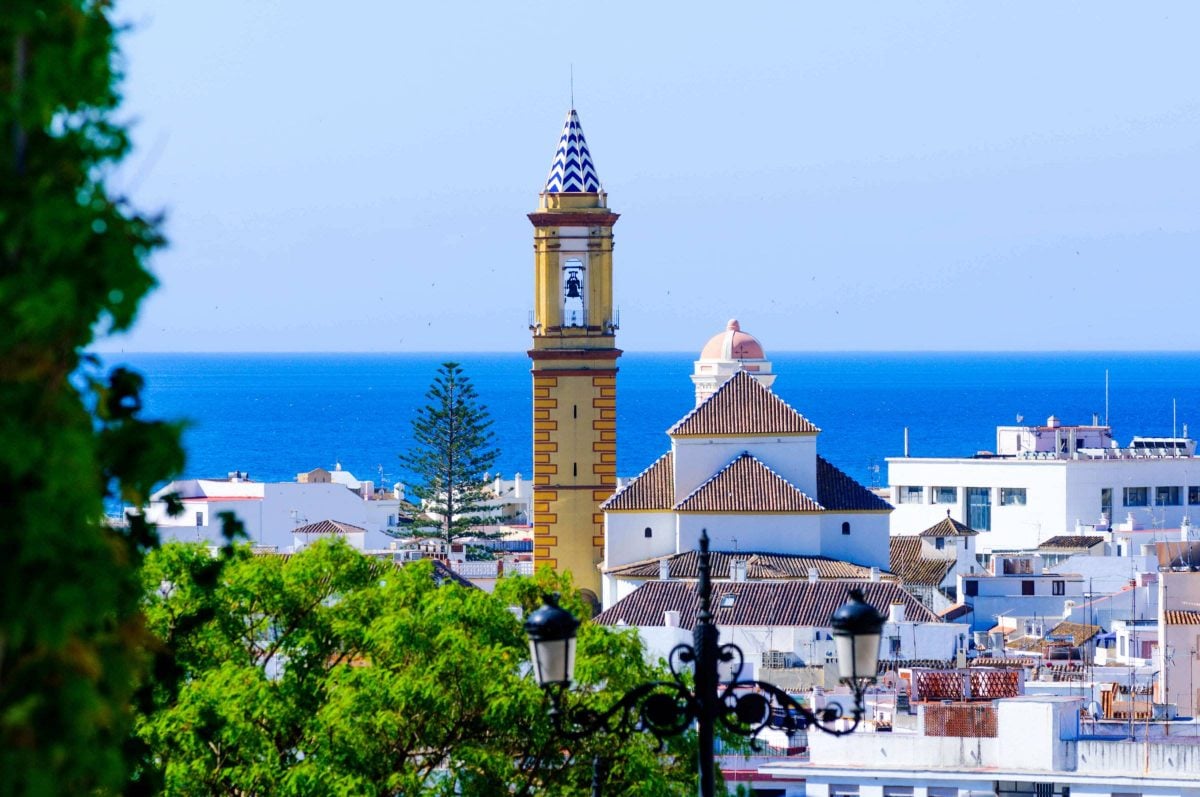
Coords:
667,708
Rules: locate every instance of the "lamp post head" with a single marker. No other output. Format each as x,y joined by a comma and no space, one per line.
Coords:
551,631
857,629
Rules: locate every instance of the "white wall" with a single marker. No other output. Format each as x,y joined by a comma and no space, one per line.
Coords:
795,534
867,543
271,520
1060,494
625,536
698,459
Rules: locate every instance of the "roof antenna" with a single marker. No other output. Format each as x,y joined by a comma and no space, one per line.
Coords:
572,87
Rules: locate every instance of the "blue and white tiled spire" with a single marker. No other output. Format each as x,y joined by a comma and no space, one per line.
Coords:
572,171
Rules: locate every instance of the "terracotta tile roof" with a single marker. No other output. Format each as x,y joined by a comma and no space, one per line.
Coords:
952,613
759,566
1182,617
653,488
742,406
792,603
1078,632
908,564
747,485
328,527
1071,542
948,527
837,492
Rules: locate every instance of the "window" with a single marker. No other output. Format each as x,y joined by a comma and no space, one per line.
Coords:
940,543
910,495
979,508
894,646
846,527
1136,496
573,292
199,519
1106,501
1194,496
391,521
1058,588
649,532
1012,496
1167,496
727,601
970,588
1026,587
945,495
900,791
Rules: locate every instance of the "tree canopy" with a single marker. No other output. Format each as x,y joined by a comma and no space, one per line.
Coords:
451,455
329,672
72,262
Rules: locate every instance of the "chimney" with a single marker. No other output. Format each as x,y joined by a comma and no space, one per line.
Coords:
664,568
814,575
737,569
875,574
517,486
496,485
671,618
896,613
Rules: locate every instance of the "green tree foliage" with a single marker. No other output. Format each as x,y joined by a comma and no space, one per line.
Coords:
451,456
72,261
328,672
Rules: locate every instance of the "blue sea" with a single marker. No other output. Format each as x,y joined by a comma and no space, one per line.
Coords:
275,415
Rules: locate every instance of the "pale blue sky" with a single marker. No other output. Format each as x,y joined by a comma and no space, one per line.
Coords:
890,175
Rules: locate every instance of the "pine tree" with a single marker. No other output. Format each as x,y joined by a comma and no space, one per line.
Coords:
451,457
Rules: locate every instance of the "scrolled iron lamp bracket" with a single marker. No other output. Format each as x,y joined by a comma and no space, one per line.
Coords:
668,708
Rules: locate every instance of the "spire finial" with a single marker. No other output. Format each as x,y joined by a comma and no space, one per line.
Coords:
572,86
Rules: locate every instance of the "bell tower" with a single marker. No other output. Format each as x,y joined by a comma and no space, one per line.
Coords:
574,358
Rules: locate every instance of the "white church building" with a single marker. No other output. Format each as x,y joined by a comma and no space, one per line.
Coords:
744,465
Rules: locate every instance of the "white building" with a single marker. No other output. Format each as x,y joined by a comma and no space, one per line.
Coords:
744,465
1018,587
1045,481
271,512
1178,644
1029,746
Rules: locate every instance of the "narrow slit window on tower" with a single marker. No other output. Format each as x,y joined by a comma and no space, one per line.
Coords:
649,532
574,410
574,468
846,527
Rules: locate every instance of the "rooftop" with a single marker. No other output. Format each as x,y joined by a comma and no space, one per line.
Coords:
748,603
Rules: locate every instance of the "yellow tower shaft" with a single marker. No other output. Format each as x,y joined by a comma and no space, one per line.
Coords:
574,358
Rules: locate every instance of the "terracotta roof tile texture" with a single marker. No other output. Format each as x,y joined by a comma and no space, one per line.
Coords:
1079,632
653,488
1182,617
747,485
911,568
837,492
739,407
948,527
1072,542
328,527
760,603
759,567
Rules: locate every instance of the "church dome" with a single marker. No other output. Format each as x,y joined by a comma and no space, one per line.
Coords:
733,344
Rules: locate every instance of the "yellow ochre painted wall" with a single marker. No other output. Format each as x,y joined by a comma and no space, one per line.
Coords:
574,386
